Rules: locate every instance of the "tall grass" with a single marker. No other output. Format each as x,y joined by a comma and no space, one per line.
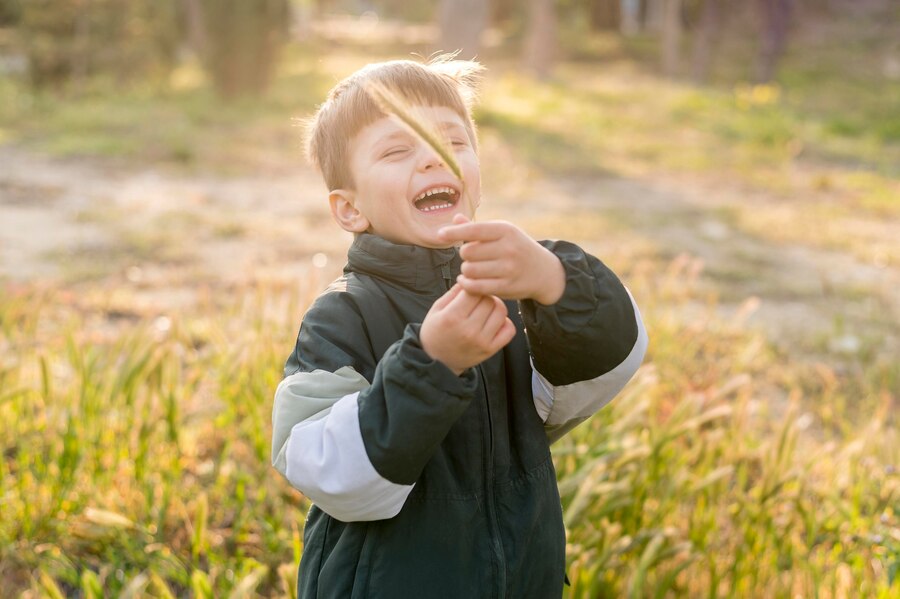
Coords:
135,458
713,475
137,454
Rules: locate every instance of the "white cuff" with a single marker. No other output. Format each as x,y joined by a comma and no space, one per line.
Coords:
565,403
327,461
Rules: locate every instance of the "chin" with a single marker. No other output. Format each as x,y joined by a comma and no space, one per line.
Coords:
434,244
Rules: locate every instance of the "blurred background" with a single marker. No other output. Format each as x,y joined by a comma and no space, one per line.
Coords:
736,162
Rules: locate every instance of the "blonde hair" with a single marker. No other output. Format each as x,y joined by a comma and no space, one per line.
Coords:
442,81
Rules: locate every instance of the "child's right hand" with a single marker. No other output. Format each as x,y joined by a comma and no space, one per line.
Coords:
462,330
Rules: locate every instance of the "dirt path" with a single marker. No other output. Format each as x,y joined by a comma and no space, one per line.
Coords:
79,221
816,298
163,233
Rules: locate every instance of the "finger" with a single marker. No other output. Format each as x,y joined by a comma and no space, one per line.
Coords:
481,312
486,231
464,303
504,335
496,287
482,250
460,219
445,299
491,269
495,318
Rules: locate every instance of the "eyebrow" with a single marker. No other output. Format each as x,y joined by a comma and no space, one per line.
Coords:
450,125
401,133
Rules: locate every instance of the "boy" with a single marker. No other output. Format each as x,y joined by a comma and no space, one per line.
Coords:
428,382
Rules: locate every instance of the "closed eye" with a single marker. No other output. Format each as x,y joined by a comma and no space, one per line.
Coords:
395,152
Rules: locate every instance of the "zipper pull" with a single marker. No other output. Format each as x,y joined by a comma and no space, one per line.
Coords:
445,272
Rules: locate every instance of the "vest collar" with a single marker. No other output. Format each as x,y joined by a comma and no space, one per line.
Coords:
420,269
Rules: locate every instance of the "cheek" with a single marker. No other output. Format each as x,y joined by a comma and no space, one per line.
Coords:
473,185
472,171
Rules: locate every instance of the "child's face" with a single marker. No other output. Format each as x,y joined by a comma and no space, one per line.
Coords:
393,170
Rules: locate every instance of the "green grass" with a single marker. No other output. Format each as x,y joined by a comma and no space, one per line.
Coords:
135,454
140,451
753,134
180,123
715,474
134,446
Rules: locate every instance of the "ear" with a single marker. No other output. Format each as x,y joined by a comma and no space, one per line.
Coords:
344,212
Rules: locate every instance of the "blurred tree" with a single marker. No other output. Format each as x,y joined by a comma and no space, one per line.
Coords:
652,14
461,23
541,37
72,39
630,19
196,33
671,37
776,16
605,15
10,12
242,42
706,38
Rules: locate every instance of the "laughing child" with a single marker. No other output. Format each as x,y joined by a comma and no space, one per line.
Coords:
428,382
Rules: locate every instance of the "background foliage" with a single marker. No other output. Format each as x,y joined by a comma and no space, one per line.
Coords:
161,239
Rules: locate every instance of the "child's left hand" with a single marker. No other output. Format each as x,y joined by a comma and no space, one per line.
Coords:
500,259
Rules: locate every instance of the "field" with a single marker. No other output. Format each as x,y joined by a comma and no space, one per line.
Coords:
158,249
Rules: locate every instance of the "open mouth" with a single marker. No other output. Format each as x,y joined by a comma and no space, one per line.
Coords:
437,199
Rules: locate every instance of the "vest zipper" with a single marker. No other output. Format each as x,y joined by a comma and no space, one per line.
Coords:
445,273
496,543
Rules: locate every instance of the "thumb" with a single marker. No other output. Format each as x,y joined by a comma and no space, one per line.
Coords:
460,219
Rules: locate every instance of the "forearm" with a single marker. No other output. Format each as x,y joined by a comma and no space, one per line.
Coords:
562,407
317,446
356,449
586,347
411,406
590,330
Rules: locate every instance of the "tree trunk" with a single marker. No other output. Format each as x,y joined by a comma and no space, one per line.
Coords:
243,42
631,17
81,57
462,22
706,39
196,33
773,40
652,13
671,37
605,15
541,37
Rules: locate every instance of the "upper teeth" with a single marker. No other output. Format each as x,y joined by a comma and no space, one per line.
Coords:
447,190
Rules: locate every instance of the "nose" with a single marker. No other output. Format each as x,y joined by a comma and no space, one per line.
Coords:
428,158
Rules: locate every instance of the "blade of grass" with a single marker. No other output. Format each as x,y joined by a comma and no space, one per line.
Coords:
392,104
201,585
136,587
248,585
90,585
